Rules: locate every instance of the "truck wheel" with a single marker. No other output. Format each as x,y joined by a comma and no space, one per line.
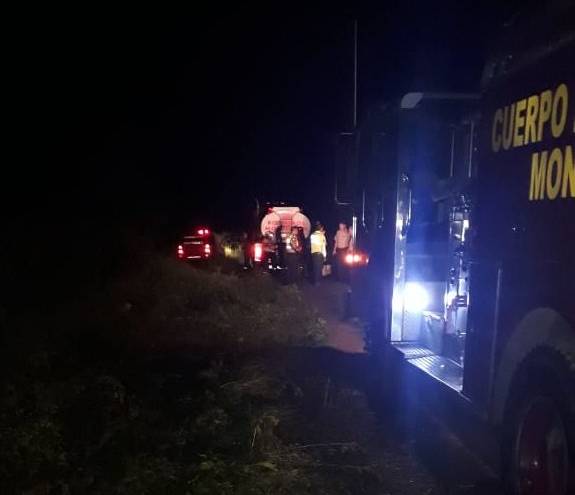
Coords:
539,457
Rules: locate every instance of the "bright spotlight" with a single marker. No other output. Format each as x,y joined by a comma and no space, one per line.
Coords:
415,297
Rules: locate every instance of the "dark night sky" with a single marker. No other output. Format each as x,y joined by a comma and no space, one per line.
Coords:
173,117
138,123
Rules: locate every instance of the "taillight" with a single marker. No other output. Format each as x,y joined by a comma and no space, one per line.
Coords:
207,250
258,251
180,251
356,259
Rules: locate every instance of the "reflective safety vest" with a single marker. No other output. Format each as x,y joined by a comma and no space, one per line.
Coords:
318,243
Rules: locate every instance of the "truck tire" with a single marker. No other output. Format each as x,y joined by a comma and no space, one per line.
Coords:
538,450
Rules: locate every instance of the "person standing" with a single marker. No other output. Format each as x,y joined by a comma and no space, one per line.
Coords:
318,251
293,253
304,254
280,247
341,246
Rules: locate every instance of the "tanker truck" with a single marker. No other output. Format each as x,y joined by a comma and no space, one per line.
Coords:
269,239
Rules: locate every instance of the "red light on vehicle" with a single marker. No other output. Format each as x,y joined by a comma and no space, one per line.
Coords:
201,232
356,259
180,251
207,249
258,251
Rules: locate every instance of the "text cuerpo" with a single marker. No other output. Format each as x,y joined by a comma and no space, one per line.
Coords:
539,118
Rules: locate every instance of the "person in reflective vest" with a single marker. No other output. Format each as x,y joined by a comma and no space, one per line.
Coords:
318,251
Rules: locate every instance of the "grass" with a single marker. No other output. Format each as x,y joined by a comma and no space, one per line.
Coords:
170,302
150,387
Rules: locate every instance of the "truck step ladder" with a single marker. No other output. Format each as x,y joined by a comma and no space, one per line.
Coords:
423,359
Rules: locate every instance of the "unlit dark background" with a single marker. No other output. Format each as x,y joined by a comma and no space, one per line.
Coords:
140,123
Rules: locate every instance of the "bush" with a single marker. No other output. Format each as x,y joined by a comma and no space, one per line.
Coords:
171,302
85,410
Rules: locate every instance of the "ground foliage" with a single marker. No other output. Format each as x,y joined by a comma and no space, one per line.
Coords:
145,388
175,380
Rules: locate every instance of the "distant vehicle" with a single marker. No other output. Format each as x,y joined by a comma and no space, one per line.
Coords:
269,245
199,246
231,245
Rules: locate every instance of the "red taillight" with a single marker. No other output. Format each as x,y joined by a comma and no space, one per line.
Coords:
203,231
356,259
180,251
258,250
207,250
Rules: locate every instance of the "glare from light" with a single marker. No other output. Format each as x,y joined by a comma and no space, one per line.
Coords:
397,301
349,258
416,298
449,297
465,229
258,252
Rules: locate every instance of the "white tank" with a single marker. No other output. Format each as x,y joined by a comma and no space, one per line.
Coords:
287,217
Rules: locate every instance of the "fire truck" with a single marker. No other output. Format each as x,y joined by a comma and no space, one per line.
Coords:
466,206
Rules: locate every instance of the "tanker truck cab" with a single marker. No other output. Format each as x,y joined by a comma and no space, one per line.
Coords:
483,283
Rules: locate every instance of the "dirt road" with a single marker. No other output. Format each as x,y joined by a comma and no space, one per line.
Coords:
329,299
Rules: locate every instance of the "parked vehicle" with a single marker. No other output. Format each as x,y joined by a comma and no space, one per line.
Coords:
467,207
197,246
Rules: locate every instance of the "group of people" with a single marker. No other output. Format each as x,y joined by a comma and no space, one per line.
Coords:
297,251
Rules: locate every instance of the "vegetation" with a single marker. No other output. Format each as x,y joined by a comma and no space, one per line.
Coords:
155,386
168,302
